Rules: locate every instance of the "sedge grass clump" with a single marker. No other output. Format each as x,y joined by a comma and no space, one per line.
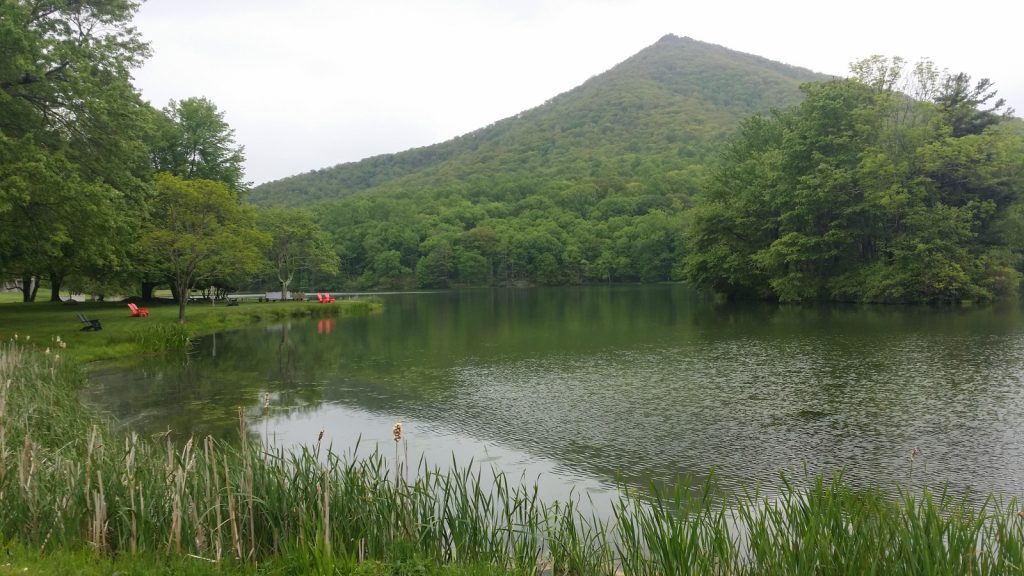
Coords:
163,337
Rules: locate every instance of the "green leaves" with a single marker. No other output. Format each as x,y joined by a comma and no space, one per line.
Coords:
296,244
199,231
859,194
192,140
71,163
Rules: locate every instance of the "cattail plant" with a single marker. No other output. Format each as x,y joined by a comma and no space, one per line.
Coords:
68,483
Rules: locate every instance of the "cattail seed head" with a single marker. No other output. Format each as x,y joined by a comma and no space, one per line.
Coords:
397,431
321,436
266,399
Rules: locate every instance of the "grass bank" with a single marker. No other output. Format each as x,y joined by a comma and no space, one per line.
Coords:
123,335
72,492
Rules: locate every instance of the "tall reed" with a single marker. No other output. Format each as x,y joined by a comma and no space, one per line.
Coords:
67,484
162,337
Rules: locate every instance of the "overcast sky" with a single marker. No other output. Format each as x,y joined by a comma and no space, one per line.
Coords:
308,84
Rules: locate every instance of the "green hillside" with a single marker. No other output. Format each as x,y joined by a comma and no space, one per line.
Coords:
591,186
649,117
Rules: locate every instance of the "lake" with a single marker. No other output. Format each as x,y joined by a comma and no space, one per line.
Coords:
582,387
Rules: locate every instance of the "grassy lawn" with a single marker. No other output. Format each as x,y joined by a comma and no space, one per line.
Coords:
10,297
123,335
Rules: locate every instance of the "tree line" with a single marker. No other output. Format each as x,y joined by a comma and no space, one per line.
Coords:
900,184
896,185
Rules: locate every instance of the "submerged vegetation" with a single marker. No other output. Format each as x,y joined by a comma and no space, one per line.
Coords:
67,484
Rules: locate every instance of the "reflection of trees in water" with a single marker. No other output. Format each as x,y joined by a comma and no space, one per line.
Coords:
636,349
285,356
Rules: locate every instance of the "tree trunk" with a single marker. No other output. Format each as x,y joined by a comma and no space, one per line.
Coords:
55,280
27,293
180,289
147,290
182,296
35,288
285,280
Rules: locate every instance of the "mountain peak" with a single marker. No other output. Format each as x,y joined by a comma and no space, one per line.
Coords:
666,106
673,39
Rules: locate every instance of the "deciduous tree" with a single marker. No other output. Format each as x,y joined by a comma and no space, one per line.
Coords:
197,231
296,244
192,140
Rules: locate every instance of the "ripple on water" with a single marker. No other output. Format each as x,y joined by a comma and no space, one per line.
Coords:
749,408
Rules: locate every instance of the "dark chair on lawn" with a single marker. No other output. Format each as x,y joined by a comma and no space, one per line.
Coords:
89,324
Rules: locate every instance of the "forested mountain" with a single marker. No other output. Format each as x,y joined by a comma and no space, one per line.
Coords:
686,161
649,118
590,186
896,185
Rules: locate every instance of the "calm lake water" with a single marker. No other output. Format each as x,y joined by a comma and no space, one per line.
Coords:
581,386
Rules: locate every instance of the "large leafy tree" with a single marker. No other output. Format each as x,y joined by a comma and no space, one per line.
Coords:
73,169
62,61
199,231
864,193
297,244
55,222
192,140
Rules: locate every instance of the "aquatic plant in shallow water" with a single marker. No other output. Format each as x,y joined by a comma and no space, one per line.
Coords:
163,337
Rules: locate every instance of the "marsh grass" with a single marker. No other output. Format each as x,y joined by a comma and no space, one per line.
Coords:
67,484
162,337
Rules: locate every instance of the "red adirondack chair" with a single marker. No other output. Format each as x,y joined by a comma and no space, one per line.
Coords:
324,298
136,311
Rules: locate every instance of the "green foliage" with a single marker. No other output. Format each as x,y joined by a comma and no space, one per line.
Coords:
588,187
860,193
297,244
162,337
71,161
198,231
192,140
649,119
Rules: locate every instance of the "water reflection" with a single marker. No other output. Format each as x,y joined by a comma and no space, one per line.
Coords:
643,382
